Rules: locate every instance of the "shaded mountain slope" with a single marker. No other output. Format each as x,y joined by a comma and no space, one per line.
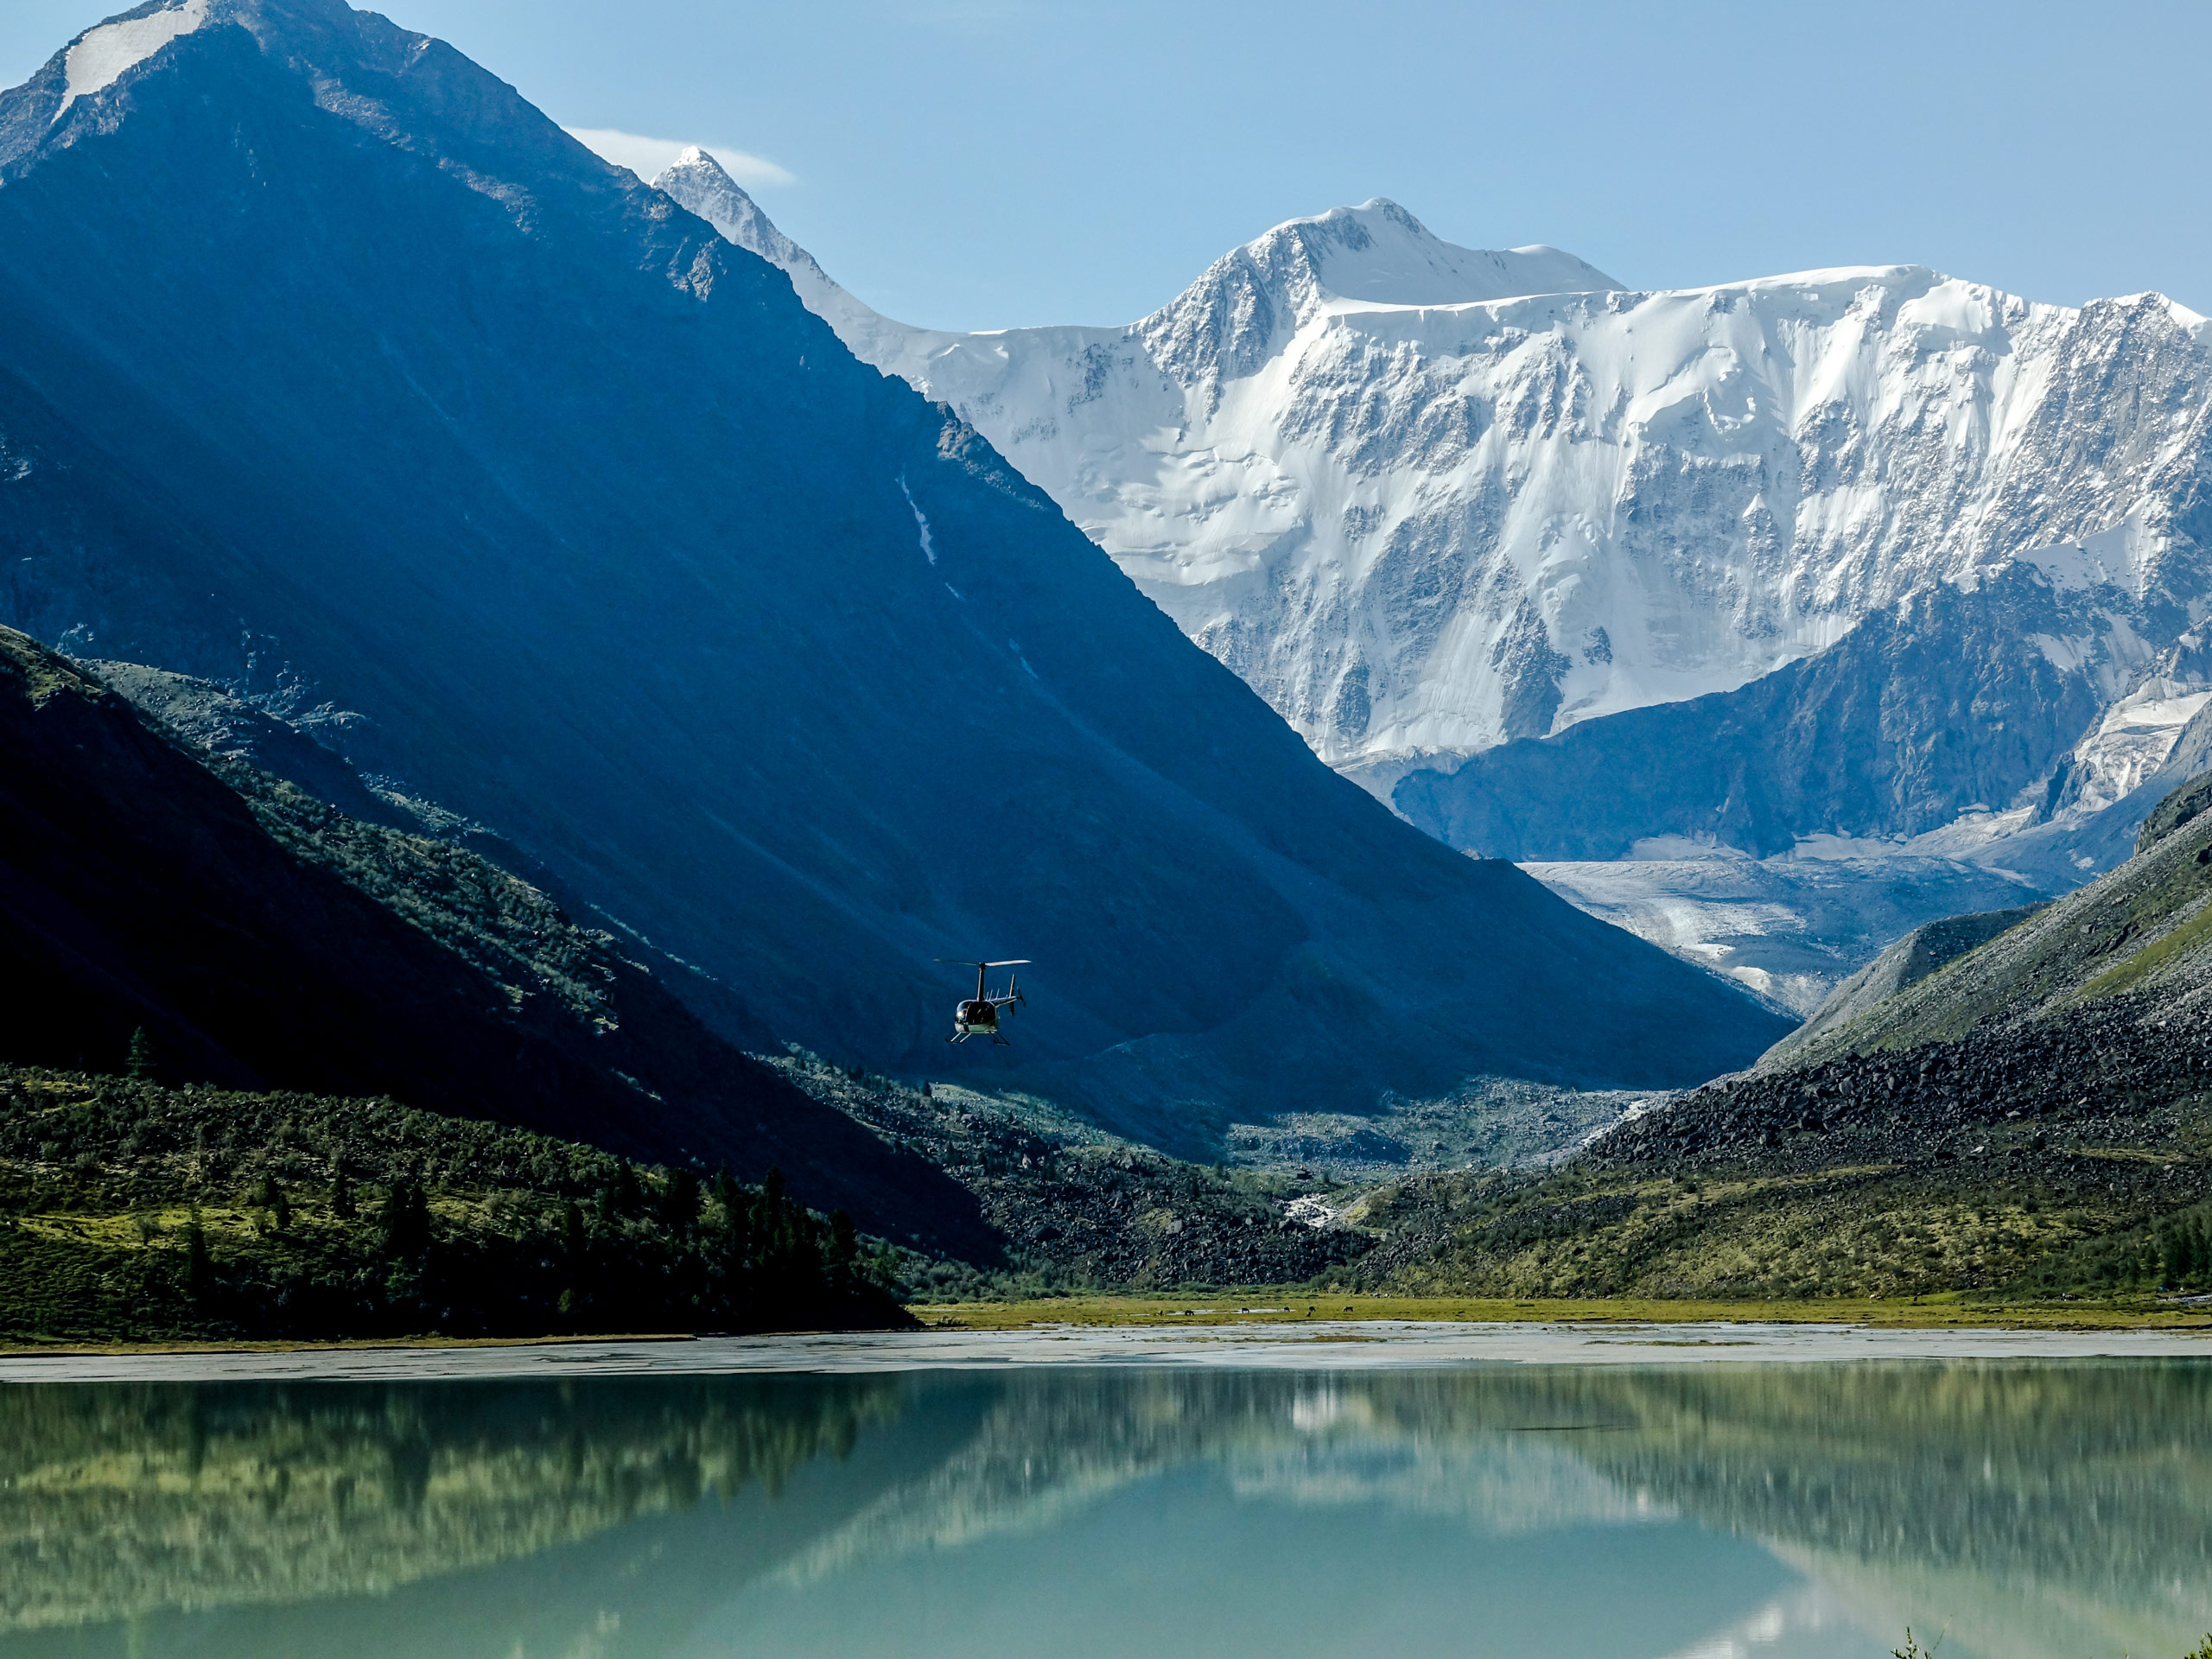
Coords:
322,354
229,728
263,939
1916,715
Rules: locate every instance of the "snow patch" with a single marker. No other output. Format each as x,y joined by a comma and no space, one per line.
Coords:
102,55
2122,556
1311,1211
921,521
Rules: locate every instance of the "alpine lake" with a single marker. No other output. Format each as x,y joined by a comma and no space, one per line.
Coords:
2035,1509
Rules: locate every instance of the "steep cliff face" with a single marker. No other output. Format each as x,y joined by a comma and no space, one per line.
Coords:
328,362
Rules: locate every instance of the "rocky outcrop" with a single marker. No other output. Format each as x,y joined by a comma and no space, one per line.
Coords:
2177,810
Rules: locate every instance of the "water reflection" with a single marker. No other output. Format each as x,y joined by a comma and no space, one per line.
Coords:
2035,1510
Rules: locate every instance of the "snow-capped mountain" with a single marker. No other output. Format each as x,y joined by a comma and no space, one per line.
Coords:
1448,509
1426,500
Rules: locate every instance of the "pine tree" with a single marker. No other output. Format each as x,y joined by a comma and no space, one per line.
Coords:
844,1245
341,1196
406,1221
138,1062
197,1270
626,1199
679,1200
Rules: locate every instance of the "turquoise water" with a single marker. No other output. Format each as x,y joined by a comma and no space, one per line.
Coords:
2021,1510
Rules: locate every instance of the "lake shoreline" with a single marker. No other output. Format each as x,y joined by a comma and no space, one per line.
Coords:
1323,1345
1387,1318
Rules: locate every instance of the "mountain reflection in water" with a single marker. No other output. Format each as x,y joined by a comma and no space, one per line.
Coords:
2061,1509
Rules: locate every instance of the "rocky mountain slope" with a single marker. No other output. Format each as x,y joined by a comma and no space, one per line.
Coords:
261,939
2030,1107
615,549
1900,966
2136,944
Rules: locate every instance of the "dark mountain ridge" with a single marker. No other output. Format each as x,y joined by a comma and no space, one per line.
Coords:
262,939
323,354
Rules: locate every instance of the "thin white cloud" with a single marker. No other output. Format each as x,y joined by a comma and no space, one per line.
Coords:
649,157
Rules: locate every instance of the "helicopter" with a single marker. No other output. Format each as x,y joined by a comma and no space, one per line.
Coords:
979,1015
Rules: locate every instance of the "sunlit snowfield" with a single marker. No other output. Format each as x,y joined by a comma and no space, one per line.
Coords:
2029,1509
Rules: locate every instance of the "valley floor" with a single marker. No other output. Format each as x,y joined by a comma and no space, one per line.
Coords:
1302,1307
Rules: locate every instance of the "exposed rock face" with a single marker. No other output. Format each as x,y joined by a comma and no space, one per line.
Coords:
619,551
2180,807
1921,715
2088,1011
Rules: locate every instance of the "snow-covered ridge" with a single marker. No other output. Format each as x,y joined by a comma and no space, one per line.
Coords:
1426,499
100,56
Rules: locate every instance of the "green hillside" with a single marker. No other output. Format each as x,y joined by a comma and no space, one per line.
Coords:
132,1212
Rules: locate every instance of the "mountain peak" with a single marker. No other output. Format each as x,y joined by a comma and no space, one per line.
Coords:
1226,324
699,184
1378,253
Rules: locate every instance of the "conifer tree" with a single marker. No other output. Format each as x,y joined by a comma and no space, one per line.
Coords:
844,1245
627,1199
196,1267
406,1220
341,1196
679,1200
138,1062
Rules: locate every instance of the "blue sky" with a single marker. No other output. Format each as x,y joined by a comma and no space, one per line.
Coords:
983,163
